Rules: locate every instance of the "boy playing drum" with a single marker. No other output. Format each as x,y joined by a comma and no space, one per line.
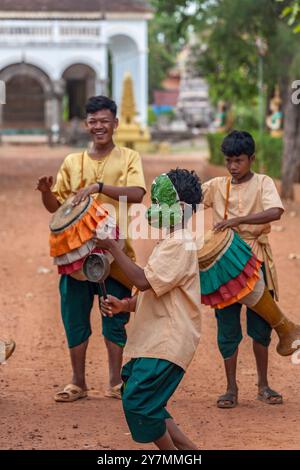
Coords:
165,330
251,202
111,172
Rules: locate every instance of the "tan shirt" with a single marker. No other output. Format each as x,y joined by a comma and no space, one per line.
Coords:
122,167
256,195
167,321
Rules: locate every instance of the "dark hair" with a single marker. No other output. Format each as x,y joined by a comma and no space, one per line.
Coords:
97,103
188,186
238,143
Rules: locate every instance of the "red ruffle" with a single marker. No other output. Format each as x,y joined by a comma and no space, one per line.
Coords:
233,287
77,265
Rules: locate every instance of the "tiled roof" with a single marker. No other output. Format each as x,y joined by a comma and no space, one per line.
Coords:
75,6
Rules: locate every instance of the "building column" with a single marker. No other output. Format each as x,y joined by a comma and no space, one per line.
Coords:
101,84
53,110
101,87
1,115
143,98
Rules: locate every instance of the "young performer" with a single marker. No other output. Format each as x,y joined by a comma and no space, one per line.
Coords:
247,202
108,172
165,330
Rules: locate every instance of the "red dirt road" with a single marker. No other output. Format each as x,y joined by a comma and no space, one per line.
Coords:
29,313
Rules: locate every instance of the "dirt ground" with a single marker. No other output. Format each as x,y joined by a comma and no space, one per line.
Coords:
29,313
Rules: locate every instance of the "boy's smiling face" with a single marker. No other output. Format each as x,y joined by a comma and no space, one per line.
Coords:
239,166
101,126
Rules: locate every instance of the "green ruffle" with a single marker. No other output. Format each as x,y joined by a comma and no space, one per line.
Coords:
229,266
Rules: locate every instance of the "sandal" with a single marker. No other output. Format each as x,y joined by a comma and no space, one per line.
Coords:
6,349
70,393
114,392
269,396
228,400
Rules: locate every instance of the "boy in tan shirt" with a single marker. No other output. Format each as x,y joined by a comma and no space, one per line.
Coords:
108,172
251,202
165,330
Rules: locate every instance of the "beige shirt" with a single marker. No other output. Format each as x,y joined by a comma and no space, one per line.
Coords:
256,195
122,167
167,321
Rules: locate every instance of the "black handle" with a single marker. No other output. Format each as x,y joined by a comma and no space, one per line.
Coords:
104,293
103,288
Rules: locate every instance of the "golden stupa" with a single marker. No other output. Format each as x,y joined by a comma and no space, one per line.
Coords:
130,133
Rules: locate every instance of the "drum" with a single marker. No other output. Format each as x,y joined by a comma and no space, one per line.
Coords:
72,231
228,269
72,226
230,272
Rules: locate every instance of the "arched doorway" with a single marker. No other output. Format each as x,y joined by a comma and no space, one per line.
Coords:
27,89
80,84
24,103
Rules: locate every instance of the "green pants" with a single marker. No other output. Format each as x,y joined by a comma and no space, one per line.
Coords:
77,298
148,385
230,331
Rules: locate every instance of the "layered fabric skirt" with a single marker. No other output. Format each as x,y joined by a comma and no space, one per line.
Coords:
72,229
229,270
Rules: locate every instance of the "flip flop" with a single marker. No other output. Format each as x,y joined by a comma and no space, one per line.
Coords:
266,395
114,392
6,349
70,393
230,398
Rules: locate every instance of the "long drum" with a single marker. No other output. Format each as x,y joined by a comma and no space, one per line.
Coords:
229,273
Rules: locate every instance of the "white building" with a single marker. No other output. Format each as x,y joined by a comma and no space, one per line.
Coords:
54,54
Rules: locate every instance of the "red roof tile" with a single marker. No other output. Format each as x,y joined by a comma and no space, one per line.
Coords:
75,6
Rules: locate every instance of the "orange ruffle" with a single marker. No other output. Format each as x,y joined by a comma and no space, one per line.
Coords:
78,233
245,291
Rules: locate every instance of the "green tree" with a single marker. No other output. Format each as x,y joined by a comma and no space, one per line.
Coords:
227,56
161,60
291,150
167,34
230,63
291,11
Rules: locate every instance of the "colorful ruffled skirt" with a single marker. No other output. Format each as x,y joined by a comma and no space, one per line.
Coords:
230,275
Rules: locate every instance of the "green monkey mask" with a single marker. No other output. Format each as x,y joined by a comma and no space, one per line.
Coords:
165,210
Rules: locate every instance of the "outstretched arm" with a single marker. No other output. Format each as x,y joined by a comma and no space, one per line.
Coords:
134,194
43,185
263,217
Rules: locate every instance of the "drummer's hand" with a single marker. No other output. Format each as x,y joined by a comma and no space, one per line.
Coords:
83,193
105,243
221,226
44,183
111,306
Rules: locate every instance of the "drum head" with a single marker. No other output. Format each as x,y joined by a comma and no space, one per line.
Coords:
66,214
214,242
96,267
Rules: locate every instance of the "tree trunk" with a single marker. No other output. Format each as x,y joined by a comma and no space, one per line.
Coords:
291,148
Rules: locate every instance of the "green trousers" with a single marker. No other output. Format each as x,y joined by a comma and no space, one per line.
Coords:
77,298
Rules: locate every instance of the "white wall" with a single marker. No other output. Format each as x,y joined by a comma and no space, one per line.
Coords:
54,45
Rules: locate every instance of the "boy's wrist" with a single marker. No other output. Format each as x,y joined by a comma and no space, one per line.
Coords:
94,188
113,244
126,304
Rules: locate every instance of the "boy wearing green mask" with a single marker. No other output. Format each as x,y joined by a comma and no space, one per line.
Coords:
165,331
